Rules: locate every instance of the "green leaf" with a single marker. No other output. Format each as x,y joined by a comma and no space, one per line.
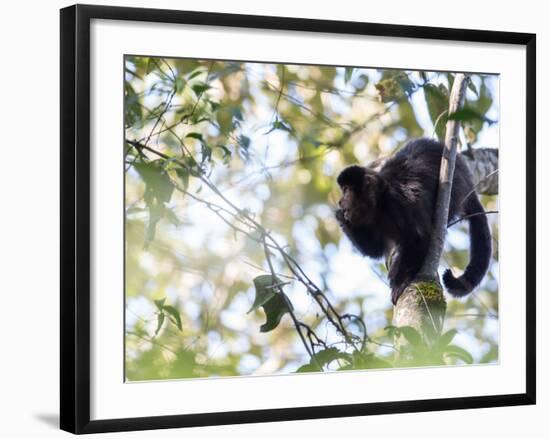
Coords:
348,74
157,182
411,335
237,114
460,353
468,114
228,118
405,82
244,146
308,368
322,358
183,176
199,88
270,296
194,74
226,151
279,125
160,321
133,114
274,311
472,86
437,100
151,65
264,290
395,88
160,303
446,339
391,330
408,119
184,109
158,190
191,167
180,84
328,355
175,314
388,90
206,152
243,141
366,360
197,136
373,362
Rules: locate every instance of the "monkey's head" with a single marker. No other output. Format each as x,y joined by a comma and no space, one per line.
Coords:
361,188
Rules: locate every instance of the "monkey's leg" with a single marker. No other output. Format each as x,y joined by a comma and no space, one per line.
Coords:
406,265
395,277
400,274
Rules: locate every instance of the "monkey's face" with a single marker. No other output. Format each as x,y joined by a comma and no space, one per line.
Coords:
346,202
358,204
354,208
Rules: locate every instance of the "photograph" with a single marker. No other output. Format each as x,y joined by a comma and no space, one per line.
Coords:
278,218
275,219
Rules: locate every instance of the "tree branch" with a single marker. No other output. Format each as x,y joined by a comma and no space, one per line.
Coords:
422,305
483,164
446,173
462,218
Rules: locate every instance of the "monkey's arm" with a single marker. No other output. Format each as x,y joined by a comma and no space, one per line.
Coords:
368,241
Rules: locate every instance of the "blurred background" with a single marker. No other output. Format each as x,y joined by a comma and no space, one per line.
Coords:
271,139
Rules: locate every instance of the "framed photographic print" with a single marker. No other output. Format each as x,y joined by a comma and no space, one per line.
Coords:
274,218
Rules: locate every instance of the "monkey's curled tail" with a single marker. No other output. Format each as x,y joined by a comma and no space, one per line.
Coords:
480,252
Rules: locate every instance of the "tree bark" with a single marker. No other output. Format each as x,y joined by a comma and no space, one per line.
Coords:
422,305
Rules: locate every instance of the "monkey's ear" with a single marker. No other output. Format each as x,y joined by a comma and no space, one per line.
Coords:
371,179
372,182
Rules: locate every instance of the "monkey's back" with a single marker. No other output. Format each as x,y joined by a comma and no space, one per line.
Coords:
414,172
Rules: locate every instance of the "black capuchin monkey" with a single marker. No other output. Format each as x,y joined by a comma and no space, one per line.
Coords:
390,204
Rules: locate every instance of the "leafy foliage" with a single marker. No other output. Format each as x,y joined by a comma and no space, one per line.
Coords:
158,191
270,296
219,157
416,352
167,310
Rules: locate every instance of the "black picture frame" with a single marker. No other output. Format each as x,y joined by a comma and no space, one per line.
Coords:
75,217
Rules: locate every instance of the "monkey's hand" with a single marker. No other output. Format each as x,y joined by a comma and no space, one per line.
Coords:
345,225
341,216
344,216
396,293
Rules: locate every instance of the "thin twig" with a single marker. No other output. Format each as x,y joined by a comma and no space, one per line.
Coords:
489,175
446,173
152,341
289,306
324,303
486,212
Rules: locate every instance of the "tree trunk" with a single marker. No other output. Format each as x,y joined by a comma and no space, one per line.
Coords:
422,305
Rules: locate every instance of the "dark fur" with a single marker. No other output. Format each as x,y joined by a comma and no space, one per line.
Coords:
392,206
